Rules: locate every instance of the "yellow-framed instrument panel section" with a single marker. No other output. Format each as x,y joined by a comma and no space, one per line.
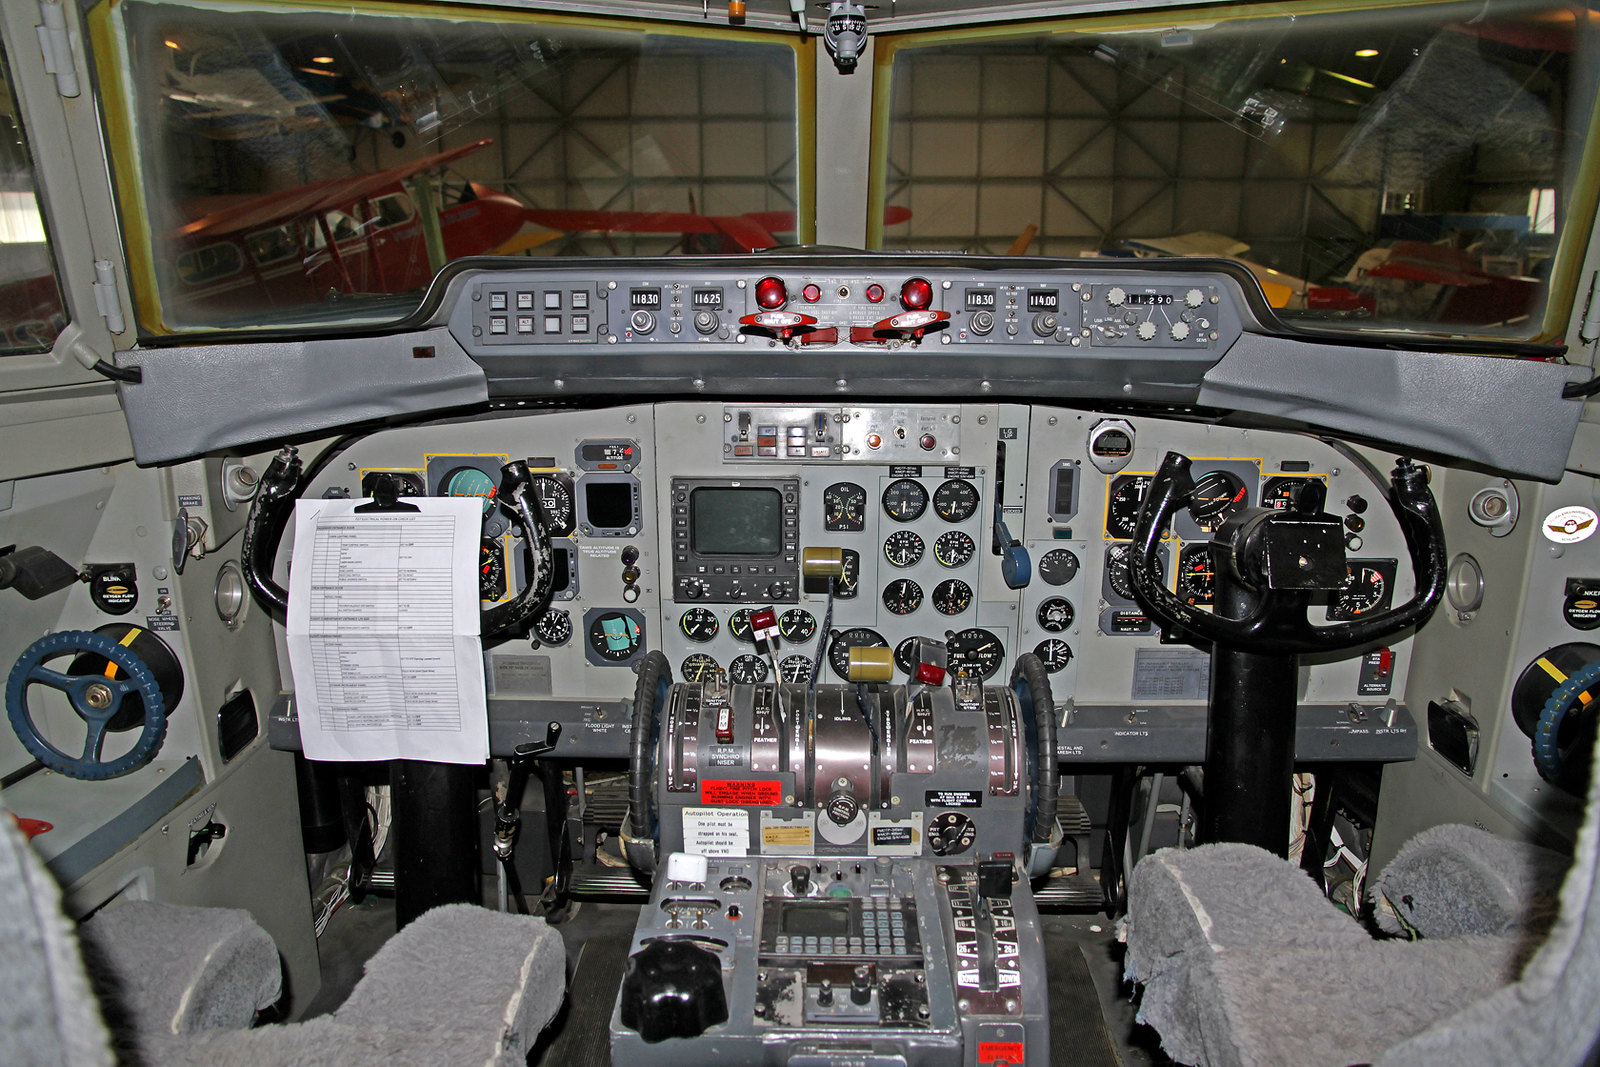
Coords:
112,70
1582,201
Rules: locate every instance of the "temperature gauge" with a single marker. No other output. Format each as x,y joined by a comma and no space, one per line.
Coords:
905,500
795,670
952,597
902,596
747,670
699,667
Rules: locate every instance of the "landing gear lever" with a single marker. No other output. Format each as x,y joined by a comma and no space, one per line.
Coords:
1268,564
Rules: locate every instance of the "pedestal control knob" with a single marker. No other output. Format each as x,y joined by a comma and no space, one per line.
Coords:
1045,323
861,985
981,322
825,992
642,321
1147,330
1180,331
1115,296
800,879
1193,298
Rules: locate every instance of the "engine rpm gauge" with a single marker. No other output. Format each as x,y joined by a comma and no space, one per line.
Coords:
956,500
699,624
1054,653
1197,578
1368,589
976,653
699,667
844,508
903,548
953,548
795,669
797,624
905,500
554,627
555,499
902,596
839,649
1122,506
1058,566
492,570
739,625
747,670
952,596
1055,615
1217,494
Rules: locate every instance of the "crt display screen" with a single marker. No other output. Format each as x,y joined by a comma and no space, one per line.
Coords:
736,521
817,920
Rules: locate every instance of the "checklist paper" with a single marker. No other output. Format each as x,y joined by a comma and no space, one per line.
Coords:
383,631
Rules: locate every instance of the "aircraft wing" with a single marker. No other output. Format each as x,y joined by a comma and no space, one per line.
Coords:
272,208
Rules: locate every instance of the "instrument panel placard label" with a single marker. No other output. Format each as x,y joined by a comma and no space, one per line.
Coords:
716,832
741,792
953,798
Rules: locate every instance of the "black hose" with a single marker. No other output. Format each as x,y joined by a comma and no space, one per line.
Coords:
655,674
263,530
1039,721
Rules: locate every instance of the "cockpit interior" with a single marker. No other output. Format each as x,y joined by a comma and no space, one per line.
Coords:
939,532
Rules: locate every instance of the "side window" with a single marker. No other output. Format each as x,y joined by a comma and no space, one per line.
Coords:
31,311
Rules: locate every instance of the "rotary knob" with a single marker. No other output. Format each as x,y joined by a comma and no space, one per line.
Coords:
1147,331
642,322
705,322
1193,298
1045,323
981,322
1180,331
1115,296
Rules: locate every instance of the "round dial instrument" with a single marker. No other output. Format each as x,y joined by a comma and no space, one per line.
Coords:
1217,494
747,670
1365,590
954,548
470,481
795,669
492,569
699,667
952,596
1058,566
555,500
903,653
1054,653
902,596
1278,493
1055,615
903,548
905,500
614,636
1122,508
1197,579
739,625
797,624
839,649
844,507
976,653
956,500
699,624
554,627
1117,571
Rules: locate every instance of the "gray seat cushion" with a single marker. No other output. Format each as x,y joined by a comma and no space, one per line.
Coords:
1453,880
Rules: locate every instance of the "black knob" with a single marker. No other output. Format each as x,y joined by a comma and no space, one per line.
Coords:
825,993
672,989
800,879
630,556
861,985
1357,503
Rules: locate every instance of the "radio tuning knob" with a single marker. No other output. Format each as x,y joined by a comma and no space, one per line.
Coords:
1045,323
1147,330
1193,298
1115,296
1180,331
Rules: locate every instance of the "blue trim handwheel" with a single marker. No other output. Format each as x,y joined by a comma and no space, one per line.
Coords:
1547,754
97,698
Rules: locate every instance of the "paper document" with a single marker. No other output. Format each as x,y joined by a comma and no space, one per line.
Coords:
383,631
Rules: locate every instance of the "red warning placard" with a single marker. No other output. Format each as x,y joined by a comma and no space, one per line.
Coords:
764,794
1012,1052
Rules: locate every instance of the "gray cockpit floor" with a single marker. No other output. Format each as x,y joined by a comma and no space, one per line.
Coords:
1092,1020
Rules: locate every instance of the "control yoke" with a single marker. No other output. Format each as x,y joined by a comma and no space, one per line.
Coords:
1282,556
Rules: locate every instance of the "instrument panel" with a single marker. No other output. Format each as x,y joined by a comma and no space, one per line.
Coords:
675,520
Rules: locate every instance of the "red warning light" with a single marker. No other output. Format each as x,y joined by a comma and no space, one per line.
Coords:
812,293
771,293
915,294
875,293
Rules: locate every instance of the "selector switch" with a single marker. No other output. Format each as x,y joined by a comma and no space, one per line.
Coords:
800,879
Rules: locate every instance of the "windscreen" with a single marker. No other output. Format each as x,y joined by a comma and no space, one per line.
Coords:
1393,169
296,167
